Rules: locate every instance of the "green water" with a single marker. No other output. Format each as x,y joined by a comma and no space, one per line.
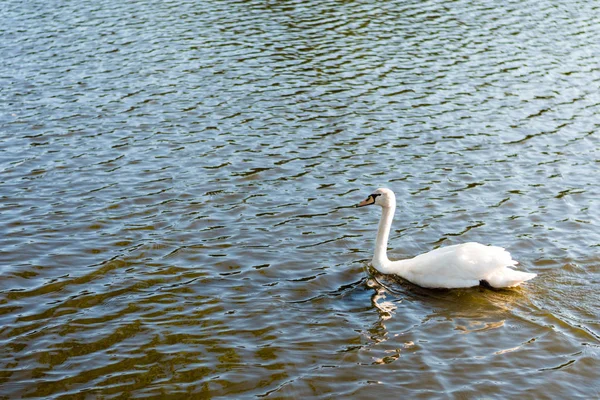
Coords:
176,180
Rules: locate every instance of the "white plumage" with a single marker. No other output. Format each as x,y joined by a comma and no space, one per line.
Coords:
458,266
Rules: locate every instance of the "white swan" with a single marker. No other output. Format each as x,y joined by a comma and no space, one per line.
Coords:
458,266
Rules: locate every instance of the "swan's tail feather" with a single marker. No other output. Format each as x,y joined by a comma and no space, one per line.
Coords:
509,278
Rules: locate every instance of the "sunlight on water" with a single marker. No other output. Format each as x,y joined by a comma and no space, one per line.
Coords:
177,182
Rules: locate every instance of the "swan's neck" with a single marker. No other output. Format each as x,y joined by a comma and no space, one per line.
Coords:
380,259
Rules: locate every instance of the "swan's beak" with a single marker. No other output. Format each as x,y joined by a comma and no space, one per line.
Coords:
367,202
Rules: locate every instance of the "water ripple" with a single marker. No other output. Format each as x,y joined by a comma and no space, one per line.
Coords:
178,180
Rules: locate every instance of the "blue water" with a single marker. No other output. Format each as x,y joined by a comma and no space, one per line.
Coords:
177,181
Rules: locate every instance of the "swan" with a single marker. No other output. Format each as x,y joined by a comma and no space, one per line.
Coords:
458,266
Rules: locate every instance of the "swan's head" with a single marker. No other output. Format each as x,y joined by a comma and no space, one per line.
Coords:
382,197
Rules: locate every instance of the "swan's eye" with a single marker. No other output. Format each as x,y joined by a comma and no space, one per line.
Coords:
374,195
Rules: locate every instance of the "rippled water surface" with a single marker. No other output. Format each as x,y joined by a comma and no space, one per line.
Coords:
176,181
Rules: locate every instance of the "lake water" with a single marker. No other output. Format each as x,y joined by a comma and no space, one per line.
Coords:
177,180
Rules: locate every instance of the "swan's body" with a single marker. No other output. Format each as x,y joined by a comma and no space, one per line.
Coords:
458,266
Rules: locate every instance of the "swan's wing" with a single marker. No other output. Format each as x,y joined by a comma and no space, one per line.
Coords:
496,266
460,265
